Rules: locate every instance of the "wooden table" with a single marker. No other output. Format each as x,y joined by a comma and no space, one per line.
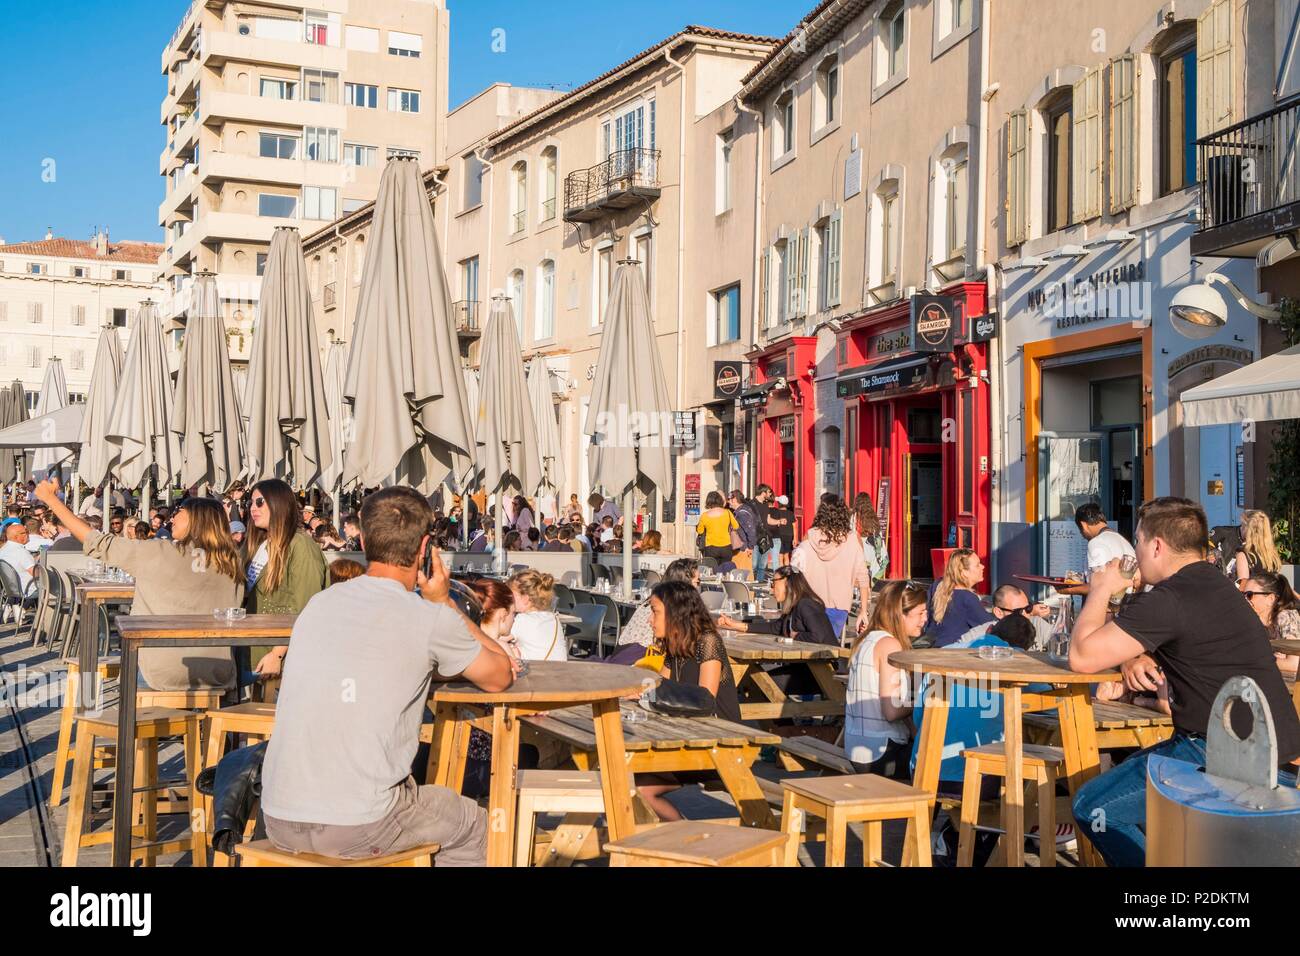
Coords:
91,594
749,652
1289,648
1071,697
671,745
548,686
188,630
1117,726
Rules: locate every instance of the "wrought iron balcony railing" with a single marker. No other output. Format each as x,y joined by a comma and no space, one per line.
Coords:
1251,168
466,315
628,176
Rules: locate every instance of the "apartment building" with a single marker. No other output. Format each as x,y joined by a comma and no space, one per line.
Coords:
57,294
284,114
1093,238
613,170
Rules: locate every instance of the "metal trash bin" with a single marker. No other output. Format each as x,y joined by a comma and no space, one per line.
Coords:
1233,813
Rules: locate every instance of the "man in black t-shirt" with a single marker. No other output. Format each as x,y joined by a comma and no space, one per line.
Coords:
1192,631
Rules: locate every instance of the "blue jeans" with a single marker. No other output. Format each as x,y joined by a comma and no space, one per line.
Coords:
1112,809
768,560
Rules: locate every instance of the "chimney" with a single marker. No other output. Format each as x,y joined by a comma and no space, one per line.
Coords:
101,242
49,233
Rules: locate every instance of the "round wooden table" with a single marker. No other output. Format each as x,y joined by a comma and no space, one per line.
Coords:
1071,697
549,685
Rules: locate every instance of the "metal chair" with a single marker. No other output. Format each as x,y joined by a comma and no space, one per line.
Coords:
591,630
712,599
571,579
564,598
736,591
599,572
651,578
46,605
70,612
465,599
708,564
54,601
11,593
613,620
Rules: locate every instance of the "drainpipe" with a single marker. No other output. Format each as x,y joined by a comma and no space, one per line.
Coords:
679,520
756,294
480,154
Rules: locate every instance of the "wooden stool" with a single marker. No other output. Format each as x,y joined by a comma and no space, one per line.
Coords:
695,843
1042,765
63,751
254,721
152,725
555,791
862,798
265,853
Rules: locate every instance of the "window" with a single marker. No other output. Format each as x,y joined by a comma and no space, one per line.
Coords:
1017,205
473,169
783,137
281,207
604,276
893,43
627,129
797,277
828,93
275,89
954,16
352,205
78,361
722,189
79,272
1059,123
888,233
361,39
777,283
33,361
121,275
405,44
550,182
1178,117
828,268
322,29
322,145
354,154
320,86
403,101
643,253
35,268
117,318
35,313
469,280
545,302
361,95
261,263
1124,132
320,203
77,315
726,315
278,146
955,204
515,290
1086,148
518,197
400,151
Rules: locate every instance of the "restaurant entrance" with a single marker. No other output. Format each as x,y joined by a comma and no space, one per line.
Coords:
923,471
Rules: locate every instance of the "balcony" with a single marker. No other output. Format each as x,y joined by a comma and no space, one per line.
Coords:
219,106
630,177
222,46
1250,184
465,314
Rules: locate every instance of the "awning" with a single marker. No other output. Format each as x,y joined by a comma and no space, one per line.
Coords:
884,378
1265,391
58,429
756,395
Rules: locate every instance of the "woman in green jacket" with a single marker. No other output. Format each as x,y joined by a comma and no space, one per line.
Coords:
284,568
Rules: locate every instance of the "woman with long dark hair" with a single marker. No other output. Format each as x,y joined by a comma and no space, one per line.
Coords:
525,519
283,566
1275,602
803,615
693,654
867,525
195,572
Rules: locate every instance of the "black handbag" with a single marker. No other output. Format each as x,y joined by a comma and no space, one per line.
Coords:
675,699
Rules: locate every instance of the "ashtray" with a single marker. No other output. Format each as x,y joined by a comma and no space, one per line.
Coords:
230,615
995,653
635,716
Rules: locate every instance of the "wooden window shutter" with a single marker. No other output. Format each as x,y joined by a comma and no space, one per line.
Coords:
1123,132
1214,68
1085,203
1017,205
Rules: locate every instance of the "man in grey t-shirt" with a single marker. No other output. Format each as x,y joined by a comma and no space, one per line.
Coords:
337,776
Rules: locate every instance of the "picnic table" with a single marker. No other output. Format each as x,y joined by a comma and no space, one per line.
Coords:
181,630
90,594
1116,725
662,744
548,686
749,652
1071,696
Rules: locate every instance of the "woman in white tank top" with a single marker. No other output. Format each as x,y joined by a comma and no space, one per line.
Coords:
876,725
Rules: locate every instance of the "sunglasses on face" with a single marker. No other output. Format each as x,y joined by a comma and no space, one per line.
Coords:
259,502
1015,610
1254,594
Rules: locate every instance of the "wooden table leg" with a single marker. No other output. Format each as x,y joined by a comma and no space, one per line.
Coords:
124,771
615,781
734,767
450,745
1013,803
929,755
1082,761
824,673
501,796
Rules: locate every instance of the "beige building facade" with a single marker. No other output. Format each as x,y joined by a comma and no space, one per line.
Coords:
57,294
284,114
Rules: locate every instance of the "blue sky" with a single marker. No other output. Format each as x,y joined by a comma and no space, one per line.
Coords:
83,135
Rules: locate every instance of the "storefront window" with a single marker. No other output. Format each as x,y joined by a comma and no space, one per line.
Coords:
1117,401
967,452
924,426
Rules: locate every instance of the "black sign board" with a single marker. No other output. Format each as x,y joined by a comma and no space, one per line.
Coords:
727,380
983,328
934,320
886,380
756,396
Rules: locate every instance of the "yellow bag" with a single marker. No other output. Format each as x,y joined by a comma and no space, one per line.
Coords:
653,660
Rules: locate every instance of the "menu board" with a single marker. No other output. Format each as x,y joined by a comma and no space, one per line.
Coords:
1067,550
692,499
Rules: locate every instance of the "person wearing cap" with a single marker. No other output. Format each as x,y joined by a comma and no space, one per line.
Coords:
14,551
782,521
237,532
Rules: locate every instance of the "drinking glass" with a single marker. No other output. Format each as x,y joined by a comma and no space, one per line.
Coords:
1128,567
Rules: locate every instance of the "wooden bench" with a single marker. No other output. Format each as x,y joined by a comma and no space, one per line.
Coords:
557,791
810,753
1042,766
252,720
696,843
265,853
1118,726
866,798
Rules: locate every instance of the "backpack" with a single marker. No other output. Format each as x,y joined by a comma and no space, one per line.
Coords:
873,551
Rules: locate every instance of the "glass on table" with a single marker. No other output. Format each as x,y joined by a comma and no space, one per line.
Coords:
229,615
